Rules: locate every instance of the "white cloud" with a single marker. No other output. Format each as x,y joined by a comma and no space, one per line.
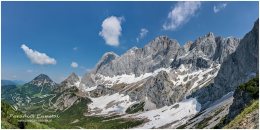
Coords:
37,57
142,34
181,14
75,48
111,30
74,65
219,7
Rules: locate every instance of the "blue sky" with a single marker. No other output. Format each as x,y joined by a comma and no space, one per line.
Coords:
81,31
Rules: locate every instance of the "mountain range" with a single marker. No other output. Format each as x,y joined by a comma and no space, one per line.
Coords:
162,85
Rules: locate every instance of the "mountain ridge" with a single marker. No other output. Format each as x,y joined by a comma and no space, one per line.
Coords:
163,83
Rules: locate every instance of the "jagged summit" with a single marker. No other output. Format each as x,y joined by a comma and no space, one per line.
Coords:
72,78
163,40
237,68
163,52
42,80
72,81
162,37
106,58
210,34
109,54
187,45
134,48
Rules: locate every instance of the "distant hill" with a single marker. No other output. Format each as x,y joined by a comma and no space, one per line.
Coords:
12,82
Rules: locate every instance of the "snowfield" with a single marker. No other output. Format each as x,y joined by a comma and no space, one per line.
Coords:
108,104
167,115
118,103
128,79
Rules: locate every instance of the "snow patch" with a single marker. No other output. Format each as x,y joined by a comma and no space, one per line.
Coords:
169,114
115,103
90,89
131,78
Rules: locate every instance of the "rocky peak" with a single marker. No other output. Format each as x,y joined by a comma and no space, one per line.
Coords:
71,82
256,27
237,68
187,45
205,40
134,48
106,58
162,42
132,51
42,77
42,80
72,79
210,34
162,38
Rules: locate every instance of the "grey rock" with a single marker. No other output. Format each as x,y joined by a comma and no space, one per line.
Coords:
101,90
106,59
238,68
162,52
139,61
69,97
205,50
69,82
159,90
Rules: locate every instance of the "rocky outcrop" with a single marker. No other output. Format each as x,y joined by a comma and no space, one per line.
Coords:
68,94
243,96
69,97
71,81
238,68
101,90
161,91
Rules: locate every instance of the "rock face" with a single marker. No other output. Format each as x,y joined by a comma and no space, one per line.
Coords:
42,80
158,90
71,81
162,52
101,90
205,50
69,97
238,68
138,61
190,67
68,94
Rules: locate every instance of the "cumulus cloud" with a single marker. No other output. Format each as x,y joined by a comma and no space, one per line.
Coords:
74,65
181,14
219,7
111,30
37,57
142,34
